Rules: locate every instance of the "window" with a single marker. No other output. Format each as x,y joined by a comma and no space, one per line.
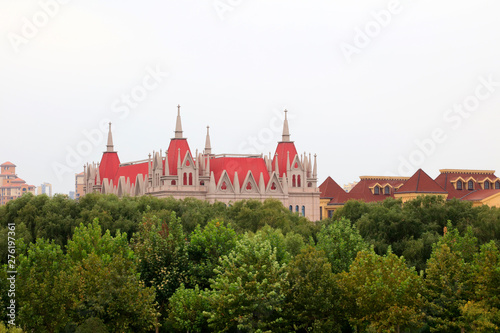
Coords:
387,190
303,210
173,182
293,181
297,208
223,186
470,185
497,185
185,182
298,181
320,213
330,214
376,190
486,185
190,178
459,185
291,208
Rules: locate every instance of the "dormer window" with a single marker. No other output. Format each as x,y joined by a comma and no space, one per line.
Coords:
387,190
459,185
497,185
470,185
376,190
486,185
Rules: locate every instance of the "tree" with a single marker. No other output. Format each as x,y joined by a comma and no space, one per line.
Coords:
313,298
161,248
249,290
341,242
186,308
382,293
108,284
207,245
46,288
449,280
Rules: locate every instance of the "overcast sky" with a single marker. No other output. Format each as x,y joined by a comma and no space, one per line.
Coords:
372,87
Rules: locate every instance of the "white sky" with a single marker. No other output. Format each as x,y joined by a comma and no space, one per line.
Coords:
238,69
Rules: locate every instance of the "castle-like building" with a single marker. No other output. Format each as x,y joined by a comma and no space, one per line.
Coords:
286,176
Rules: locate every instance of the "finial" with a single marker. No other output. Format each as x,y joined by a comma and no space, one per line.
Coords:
109,146
178,125
208,146
286,132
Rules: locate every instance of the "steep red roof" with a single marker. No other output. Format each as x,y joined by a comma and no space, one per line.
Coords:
173,152
110,162
329,189
241,165
420,182
284,149
8,164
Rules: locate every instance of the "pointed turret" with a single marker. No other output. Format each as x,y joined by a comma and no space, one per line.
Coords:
286,132
178,125
109,146
315,169
208,146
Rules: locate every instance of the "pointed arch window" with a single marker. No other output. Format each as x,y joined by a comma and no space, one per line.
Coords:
184,180
294,181
298,181
190,178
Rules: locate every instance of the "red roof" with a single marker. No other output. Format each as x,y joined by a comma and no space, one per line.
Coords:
173,152
8,164
480,195
17,180
329,188
241,165
284,149
446,177
110,162
362,190
131,172
420,182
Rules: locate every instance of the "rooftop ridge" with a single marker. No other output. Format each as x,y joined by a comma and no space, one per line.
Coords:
467,171
383,178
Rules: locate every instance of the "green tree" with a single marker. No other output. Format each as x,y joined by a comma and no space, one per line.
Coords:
249,290
382,294
449,280
161,248
46,288
186,308
341,242
313,298
205,248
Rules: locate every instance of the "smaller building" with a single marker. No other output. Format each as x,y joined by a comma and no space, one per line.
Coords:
79,185
11,186
481,187
45,188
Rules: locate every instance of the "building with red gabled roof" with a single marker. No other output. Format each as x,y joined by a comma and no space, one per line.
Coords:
481,187
419,184
286,176
11,186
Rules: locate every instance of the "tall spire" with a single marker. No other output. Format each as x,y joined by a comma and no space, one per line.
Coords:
178,125
208,146
109,146
286,132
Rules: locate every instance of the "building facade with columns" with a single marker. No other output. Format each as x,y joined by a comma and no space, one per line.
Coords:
286,176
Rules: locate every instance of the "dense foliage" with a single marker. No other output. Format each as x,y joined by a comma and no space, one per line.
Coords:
104,264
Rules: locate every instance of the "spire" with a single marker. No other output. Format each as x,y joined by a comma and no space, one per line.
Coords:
208,146
315,170
178,125
109,146
286,132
